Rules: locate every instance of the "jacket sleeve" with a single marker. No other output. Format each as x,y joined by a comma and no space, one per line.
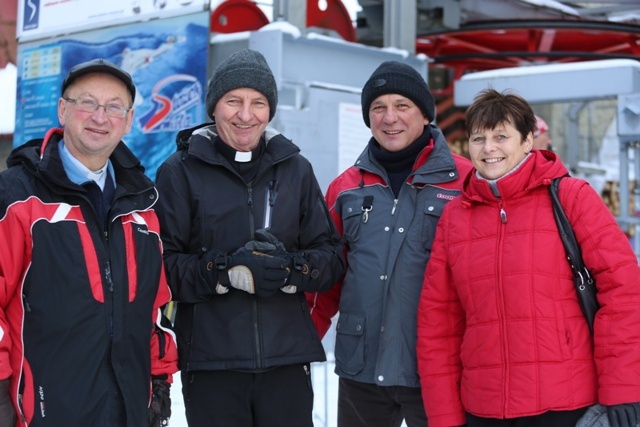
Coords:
607,253
12,252
184,270
319,240
441,324
324,305
164,350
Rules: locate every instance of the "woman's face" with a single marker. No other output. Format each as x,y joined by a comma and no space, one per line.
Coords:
494,152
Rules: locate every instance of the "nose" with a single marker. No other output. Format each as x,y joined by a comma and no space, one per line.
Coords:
390,116
244,113
100,115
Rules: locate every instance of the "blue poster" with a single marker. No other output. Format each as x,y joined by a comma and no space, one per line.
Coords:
167,59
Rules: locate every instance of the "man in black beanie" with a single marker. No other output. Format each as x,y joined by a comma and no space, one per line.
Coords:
387,206
246,232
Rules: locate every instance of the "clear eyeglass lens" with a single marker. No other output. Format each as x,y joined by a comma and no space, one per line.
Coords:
90,106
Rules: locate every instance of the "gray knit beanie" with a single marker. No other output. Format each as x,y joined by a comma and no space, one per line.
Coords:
245,68
400,78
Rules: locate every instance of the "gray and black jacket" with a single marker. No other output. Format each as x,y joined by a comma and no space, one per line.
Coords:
388,241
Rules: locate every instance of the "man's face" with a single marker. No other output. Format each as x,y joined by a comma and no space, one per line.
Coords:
396,121
241,117
91,137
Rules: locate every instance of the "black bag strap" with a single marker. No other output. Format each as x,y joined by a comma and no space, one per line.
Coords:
584,283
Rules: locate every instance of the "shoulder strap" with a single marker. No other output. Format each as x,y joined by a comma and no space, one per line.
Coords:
585,285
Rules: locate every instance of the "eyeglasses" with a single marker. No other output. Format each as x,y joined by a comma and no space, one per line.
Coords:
90,106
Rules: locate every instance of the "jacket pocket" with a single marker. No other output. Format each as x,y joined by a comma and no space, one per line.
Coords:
431,214
565,339
351,220
350,342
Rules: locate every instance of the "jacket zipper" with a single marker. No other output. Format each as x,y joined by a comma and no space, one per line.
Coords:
256,328
271,200
499,250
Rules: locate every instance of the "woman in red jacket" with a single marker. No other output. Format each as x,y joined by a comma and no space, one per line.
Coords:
501,337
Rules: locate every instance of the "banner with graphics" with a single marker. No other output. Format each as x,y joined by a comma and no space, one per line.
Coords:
167,59
45,18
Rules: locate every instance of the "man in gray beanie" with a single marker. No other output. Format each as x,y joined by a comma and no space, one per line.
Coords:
246,68
246,232
388,205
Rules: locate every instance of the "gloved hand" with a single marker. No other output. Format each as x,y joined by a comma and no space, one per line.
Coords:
624,415
160,407
299,267
210,271
252,269
7,410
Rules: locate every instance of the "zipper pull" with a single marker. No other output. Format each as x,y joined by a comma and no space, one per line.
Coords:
107,276
26,303
395,203
503,216
273,192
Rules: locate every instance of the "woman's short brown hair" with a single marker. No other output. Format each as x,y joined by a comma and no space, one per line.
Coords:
491,108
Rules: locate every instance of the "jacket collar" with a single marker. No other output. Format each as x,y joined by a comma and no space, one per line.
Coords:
198,142
41,158
434,164
538,169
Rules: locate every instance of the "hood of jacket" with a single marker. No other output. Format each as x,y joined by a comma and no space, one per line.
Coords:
198,141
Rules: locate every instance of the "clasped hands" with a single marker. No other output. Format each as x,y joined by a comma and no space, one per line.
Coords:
262,267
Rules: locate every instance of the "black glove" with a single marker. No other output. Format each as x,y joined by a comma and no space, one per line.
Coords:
160,408
624,415
210,271
7,410
300,272
252,269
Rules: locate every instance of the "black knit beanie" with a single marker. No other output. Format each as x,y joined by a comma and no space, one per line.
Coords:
400,78
245,68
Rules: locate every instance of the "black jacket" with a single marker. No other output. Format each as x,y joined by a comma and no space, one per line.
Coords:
206,206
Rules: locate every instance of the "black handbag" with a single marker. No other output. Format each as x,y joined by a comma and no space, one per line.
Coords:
584,283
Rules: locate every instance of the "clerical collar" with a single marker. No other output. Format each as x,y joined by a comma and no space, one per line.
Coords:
232,155
243,156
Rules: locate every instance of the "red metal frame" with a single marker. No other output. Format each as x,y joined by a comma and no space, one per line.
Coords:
502,44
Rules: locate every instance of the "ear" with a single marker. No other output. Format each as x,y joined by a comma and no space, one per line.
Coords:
62,109
528,143
129,119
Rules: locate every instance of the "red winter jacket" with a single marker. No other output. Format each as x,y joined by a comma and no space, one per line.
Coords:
80,306
500,331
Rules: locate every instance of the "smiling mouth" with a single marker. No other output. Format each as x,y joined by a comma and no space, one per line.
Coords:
243,127
494,160
103,132
392,132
